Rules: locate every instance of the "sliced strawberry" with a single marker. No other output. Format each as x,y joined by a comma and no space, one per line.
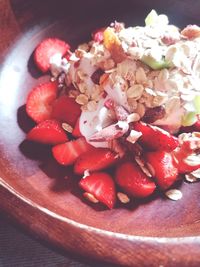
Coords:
39,101
187,154
164,168
133,180
154,138
67,153
46,49
66,109
101,186
76,131
97,35
95,160
48,132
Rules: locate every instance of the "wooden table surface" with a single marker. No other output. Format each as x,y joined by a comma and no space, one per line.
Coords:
18,248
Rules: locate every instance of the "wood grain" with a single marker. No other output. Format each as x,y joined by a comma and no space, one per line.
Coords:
44,197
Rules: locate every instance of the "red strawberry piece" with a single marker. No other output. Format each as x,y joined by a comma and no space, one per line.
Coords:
67,153
48,132
133,180
154,138
163,167
66,109
182,153
95,160
46,49
39,101
101,186
97,35
76,131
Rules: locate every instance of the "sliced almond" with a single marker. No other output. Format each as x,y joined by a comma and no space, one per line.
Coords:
123,197
68,128
90,197
174,194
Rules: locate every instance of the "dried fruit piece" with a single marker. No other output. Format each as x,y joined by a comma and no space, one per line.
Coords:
113,44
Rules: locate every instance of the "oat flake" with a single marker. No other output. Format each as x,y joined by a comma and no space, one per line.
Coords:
174,194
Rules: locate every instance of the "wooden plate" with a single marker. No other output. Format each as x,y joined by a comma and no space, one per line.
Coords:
43,196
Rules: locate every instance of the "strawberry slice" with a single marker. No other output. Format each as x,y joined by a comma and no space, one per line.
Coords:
154,138
66,109
133,180
39,101
67,153
187,154
95,160
97,35
48,132
46,49
101,186
164,167
76,131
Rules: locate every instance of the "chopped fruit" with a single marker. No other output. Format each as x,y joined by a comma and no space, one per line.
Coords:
67,153
187,154
191,31
133,180
152,18
101,186
76,131
163,167
155,64
95,160
97,35
40,100
48,132
113,44
46,49
154,138
66,109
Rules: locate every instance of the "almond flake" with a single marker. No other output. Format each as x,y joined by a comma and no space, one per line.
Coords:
196,173
174,194
90,197
133,117
123,197
190,178
135,91
68,128
82,99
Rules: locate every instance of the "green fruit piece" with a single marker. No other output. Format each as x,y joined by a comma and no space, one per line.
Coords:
151,18
197,103
189,119
155,64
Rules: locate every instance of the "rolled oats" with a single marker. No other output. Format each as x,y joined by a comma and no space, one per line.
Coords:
174,194
82,99
135,91
123,198
140,76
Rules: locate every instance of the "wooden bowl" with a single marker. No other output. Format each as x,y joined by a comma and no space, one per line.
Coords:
43,196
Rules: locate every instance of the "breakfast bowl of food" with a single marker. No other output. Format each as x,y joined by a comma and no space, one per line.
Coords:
100,119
